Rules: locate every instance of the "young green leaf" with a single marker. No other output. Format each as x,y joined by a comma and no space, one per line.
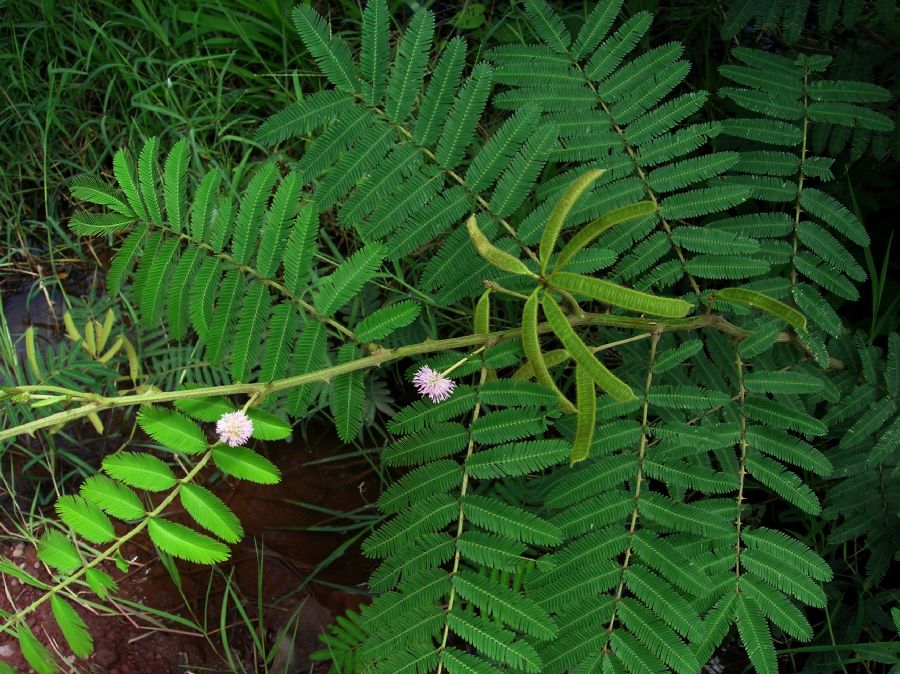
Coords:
587,412
560,211
494,255
532,347
765,303
619,296
605,379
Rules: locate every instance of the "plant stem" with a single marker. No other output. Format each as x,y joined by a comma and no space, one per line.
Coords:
638,482
742,470
379,357
460,521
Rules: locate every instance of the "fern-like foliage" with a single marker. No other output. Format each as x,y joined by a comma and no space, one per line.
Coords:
792,107
589,498
863,414
444,512
790,18
235,274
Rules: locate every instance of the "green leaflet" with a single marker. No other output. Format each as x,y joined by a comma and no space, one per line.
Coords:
463,115
382,322
374,56
298,253
185,543
100,582
348,397
548,25
86,519
439,95
55,550
148,177
409,66
136,469
35,653
172,430
207,409
619,296
211,513
276,225
252,211
267,426
518,612
607,381
126,176
85,224
336,289
175,184
72,626
330,53
245,464
253,316
560,211
312,112
93,191
113,497
755,636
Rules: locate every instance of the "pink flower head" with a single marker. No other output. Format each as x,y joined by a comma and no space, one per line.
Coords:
433,384
234,428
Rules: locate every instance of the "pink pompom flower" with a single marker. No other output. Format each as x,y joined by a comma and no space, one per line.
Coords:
433,384
234,428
